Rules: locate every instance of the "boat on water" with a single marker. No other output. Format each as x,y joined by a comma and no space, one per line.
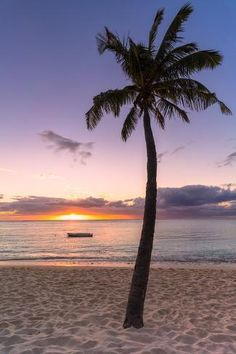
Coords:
79,234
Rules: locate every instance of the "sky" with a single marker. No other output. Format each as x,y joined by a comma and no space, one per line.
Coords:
50,69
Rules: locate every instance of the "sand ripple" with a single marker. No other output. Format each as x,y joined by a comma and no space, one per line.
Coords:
80,310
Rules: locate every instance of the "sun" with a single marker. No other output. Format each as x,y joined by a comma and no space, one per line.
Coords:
72,217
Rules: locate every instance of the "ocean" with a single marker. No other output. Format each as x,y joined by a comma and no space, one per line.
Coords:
117,241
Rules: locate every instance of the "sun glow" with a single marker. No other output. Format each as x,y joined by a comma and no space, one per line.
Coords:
72,217
77,217
224,204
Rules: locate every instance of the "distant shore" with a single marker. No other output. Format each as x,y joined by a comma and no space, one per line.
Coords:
48,309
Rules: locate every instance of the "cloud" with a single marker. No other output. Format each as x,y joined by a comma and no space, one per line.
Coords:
229,185
194,196
175,151
228,161
84,155
59,143
89,202
1,196
179,148
160,156
196,201
36,205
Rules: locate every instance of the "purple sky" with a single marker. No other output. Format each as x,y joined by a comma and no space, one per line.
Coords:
50,70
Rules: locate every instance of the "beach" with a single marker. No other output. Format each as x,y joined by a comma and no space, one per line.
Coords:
49,309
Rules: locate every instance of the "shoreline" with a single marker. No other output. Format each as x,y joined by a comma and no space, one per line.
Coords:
125,265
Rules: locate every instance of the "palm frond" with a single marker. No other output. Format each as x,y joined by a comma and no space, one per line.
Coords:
158,116
224,109
179,83
172,35
110,101
153,31
130,123
192,63
187,92
127,53
111,42
178,53
190,94
171,110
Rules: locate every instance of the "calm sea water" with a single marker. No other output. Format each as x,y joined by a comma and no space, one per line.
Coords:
117,241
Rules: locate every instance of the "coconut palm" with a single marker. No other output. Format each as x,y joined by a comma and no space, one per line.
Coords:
160,87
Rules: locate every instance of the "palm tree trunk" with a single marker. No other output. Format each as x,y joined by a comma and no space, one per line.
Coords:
135,306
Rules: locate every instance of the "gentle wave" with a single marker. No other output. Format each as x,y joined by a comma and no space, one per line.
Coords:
120,260
175,240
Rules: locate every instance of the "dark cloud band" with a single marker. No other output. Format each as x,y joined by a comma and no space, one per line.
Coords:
188,201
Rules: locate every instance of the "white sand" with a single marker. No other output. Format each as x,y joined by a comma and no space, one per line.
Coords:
80,310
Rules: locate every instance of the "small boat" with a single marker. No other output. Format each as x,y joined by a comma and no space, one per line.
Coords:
79,234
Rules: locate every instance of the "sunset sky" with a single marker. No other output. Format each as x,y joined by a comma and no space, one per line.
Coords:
51,166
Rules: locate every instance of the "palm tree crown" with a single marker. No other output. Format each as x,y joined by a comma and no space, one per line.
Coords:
160,76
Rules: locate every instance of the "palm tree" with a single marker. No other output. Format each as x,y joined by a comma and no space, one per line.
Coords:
161,87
